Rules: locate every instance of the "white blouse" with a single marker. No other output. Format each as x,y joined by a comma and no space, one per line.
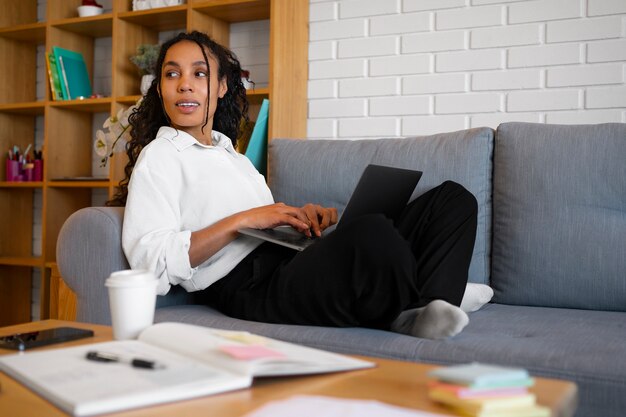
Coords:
178,186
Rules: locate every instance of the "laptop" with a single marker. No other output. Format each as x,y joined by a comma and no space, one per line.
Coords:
381,189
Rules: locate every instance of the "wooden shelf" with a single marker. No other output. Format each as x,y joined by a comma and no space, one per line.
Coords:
79,184
91,105
233,11
161,19
35,108
32,33
35,262
95,26
21,184
68,126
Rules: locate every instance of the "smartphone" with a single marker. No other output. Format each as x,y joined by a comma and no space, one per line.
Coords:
23,341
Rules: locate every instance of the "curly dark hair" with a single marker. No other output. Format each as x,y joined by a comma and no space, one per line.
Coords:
146,119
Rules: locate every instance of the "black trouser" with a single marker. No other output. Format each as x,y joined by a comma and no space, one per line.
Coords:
365,273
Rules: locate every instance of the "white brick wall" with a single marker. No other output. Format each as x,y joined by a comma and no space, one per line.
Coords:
391,68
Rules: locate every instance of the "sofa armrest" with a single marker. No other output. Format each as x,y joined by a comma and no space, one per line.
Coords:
88,250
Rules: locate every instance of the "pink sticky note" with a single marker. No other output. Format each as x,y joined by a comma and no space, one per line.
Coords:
250,352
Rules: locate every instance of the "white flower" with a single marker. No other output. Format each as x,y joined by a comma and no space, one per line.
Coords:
114,141
100,144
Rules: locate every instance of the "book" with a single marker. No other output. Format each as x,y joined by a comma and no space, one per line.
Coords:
194,361
53,75
72,72
63,77
256,150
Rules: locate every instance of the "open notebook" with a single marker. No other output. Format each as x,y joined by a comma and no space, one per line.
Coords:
194,360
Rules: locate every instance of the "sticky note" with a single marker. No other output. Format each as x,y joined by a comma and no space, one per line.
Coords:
250,352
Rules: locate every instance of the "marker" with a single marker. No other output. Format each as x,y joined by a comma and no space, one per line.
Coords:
109,357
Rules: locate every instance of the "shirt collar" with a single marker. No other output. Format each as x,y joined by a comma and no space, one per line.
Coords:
183,140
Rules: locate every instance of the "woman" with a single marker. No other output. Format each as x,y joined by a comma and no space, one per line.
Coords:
190,192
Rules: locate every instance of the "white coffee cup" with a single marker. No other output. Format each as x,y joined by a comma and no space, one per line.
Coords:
132,299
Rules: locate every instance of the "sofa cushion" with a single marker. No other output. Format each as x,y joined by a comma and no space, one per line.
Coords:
560,216
326,172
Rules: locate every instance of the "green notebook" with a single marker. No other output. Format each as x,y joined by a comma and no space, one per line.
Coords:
72,72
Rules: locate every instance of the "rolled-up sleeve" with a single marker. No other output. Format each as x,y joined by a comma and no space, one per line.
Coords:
151,236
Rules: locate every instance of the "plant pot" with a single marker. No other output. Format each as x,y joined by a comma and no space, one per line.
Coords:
146,82
86,11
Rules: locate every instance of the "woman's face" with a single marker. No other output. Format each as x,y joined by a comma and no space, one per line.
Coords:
184,89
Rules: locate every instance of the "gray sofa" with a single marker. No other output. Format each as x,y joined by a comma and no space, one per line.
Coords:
551,243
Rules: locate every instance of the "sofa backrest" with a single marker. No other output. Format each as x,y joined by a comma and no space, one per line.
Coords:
560,216
326,171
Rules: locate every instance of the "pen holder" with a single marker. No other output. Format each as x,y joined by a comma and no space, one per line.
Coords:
38,170
28,171
13,171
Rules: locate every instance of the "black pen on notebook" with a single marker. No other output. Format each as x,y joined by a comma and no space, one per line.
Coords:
92,355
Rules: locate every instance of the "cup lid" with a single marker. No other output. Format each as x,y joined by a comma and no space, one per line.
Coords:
131,277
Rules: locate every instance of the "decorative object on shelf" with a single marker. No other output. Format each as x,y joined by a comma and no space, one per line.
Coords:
146,82
147,55
141,5
245,79
118,134
21,167
153,4
89,8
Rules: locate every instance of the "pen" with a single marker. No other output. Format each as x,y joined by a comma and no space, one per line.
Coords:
109,357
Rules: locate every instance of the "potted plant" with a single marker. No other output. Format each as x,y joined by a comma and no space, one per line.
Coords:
145,60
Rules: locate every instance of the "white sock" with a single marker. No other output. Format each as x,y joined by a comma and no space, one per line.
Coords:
437,320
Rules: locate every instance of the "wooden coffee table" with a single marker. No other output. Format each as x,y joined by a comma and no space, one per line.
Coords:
393,382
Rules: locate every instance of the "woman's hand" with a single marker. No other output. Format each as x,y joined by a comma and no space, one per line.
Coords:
311,219
279,214
320,218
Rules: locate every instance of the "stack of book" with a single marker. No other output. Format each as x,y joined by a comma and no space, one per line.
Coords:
67,71
479,390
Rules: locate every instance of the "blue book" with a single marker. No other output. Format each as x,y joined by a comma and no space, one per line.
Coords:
257,147
73,73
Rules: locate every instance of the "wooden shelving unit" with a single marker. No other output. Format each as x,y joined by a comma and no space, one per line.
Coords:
68,124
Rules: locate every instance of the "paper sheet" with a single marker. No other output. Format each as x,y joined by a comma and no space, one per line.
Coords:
315,406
